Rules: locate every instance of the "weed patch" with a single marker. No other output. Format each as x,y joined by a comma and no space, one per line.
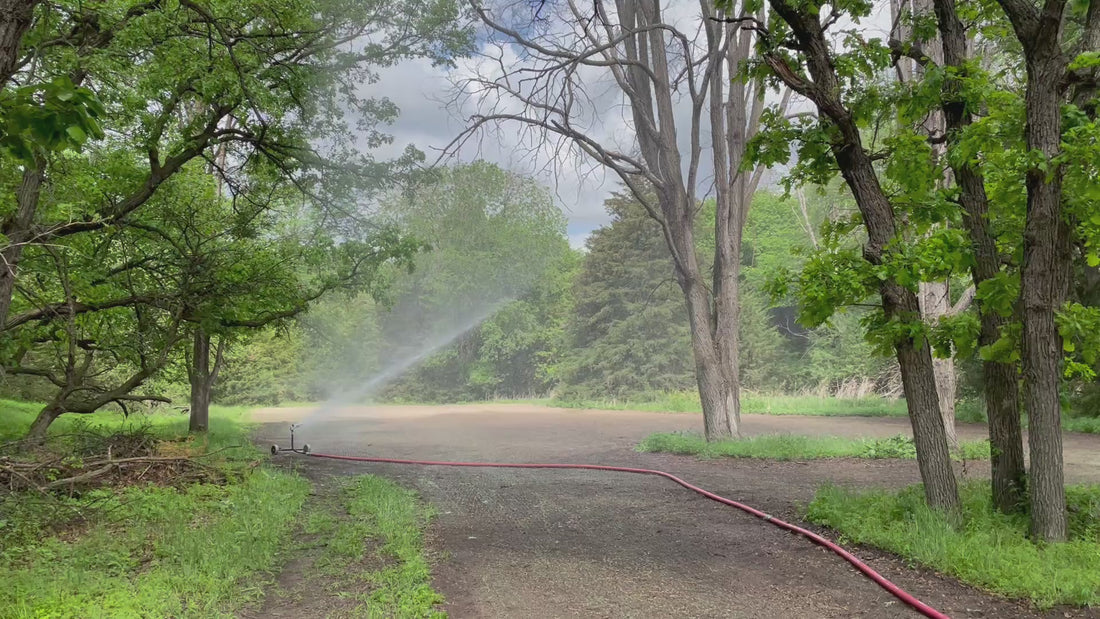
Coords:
372,561
798,447
149,551
990,550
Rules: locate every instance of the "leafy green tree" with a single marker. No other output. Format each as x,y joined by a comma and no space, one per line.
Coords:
1024,134
492,282
244,91
263,368
1055,57
840,82
215,80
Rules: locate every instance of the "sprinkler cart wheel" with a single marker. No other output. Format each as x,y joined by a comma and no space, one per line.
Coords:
305,448
274,450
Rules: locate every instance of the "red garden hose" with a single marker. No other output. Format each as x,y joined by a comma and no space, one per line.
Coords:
895,590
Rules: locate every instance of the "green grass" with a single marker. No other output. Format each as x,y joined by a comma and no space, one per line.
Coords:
688,402
1088,425
990,551
967,411
155,551
390,577
199,550
229,425
797,447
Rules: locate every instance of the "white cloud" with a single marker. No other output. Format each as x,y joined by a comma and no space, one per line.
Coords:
428,122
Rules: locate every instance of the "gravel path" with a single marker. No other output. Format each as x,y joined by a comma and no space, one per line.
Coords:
539,543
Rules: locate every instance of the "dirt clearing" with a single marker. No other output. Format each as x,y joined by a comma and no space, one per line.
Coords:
541,543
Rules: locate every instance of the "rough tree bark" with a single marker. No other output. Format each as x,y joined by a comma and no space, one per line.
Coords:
935,303
1000,382
855,164
41,424
17,229
75,396
1044,281
202,377
653,65
16,17
934,297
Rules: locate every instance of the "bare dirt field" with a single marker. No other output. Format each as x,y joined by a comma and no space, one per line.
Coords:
558,543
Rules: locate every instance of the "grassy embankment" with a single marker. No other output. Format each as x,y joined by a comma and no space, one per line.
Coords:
798,447
756,404
203,548
989,550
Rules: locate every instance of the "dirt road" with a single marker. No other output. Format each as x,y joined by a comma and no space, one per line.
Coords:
515,543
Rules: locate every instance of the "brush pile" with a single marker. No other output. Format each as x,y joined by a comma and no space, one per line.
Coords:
92,457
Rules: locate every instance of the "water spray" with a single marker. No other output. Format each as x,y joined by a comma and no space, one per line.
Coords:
405,363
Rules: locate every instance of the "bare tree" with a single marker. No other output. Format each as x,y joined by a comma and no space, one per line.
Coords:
688,112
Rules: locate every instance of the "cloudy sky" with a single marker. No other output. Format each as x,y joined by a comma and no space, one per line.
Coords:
429,122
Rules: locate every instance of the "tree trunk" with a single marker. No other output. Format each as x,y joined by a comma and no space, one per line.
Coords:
713,338
18,231
200,382
934,297
946,389
726,310
713,319
37,433
880,222
914,357
1002,400
16,17
718,387
929,433
1044,288
935,303
1000,382
203,377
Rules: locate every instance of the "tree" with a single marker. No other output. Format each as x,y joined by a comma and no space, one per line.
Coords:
797,52
1047,242
484,294
254,261
111,330
625,335
651,63
15,20
1001,386
249,89
257,80
934,296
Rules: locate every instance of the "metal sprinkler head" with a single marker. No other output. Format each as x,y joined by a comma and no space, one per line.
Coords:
304,450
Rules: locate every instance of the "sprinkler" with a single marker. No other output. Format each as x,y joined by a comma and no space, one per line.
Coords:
275,449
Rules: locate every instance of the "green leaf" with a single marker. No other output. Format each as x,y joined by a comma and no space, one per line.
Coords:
76,133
